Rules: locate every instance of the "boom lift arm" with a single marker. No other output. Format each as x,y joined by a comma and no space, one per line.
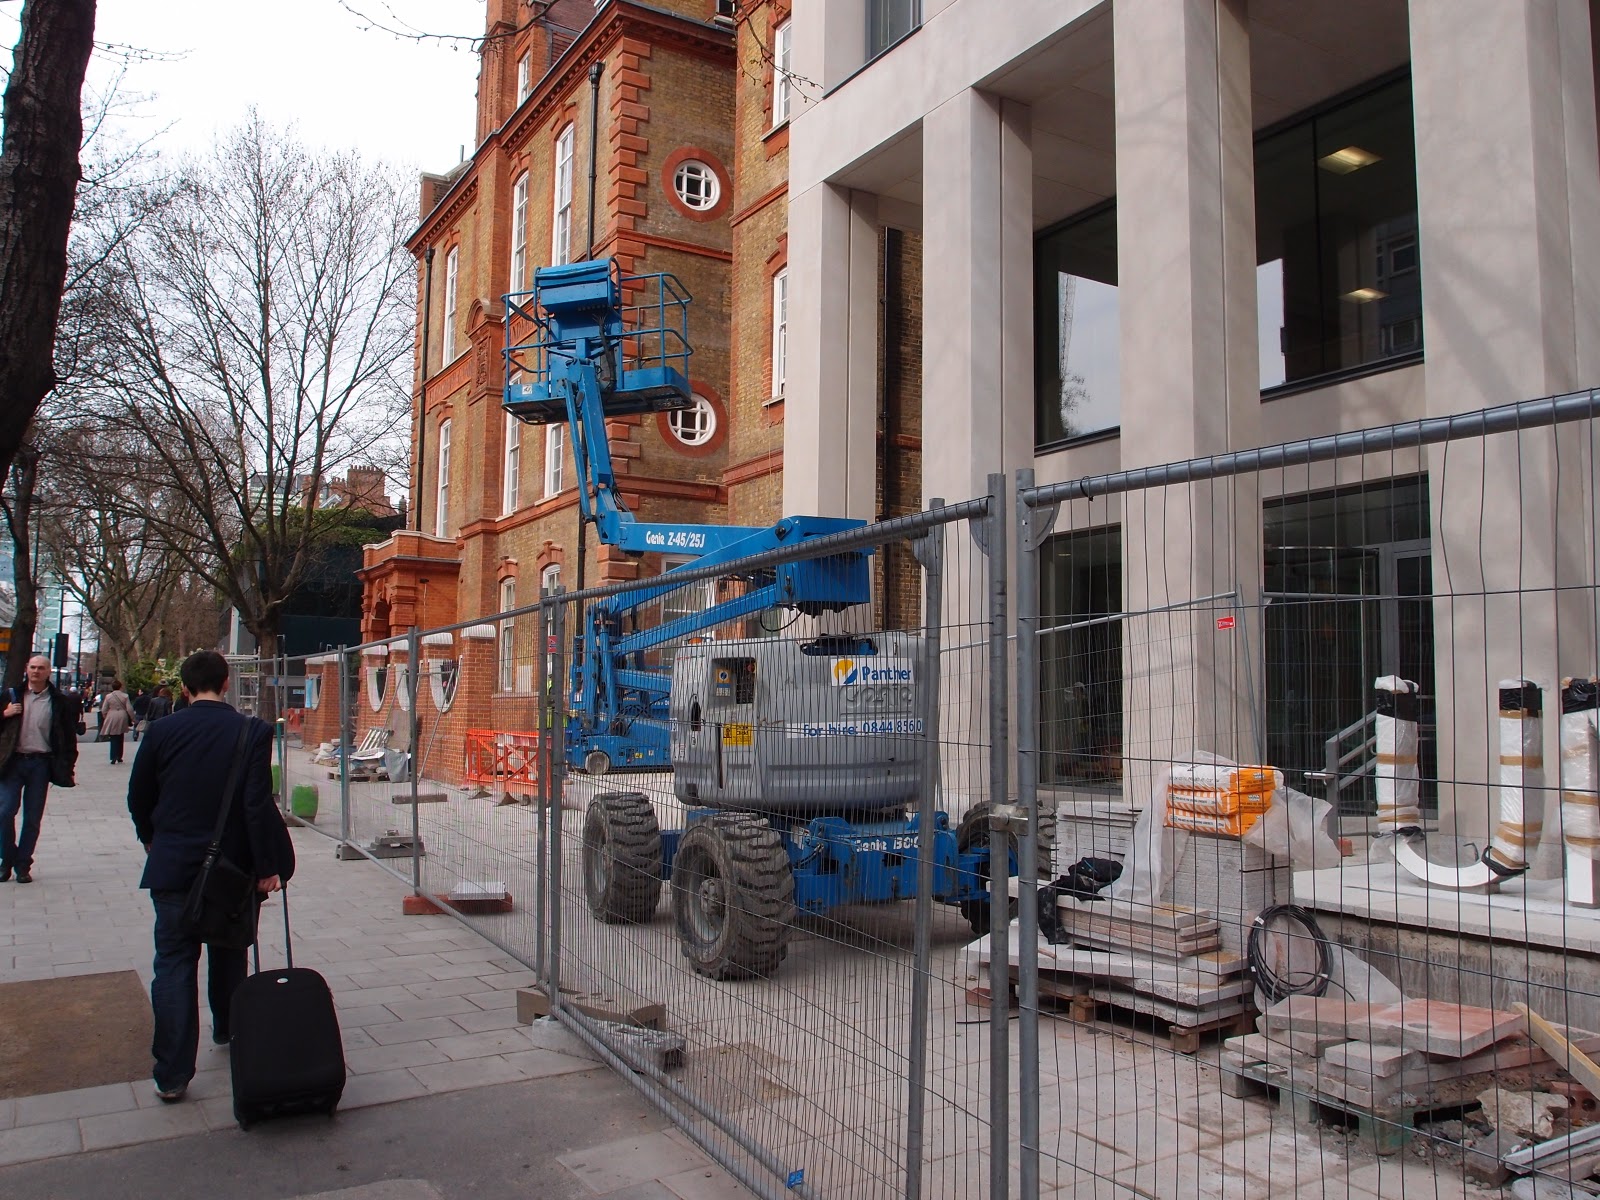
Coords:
588,357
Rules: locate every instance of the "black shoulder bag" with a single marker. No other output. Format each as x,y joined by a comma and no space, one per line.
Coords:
221,908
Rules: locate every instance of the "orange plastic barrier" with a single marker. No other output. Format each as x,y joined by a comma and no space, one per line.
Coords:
497,757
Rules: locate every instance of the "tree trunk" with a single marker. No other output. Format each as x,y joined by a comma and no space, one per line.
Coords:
20,519
39,174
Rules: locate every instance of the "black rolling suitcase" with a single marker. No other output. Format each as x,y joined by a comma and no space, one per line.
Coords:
286,1053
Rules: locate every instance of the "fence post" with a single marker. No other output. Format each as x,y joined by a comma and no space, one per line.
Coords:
281,728
541,691
415,729
1032,527
991,537
344,745
558,767
929,550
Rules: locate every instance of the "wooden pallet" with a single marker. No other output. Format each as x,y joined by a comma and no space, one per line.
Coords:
1383,1120
1092,1002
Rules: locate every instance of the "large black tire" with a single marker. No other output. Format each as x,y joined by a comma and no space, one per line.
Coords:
622,858
974,832
733,896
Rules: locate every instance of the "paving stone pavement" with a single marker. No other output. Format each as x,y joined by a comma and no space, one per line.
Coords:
426,1006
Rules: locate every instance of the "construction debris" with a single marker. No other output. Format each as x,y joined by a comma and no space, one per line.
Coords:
1531,1113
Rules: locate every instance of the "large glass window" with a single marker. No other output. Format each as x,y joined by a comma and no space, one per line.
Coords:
1348,586
452,281
519,233
888,21
511,469
508,636
1077,376
1080,653
441,511
561,224
1338,285
1339,281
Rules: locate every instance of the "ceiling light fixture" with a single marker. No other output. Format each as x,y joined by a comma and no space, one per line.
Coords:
1365,295
1351,158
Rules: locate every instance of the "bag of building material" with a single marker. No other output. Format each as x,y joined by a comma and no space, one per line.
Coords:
1295,827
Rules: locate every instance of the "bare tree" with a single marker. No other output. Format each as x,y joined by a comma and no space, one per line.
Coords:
257,343
97,535
38,177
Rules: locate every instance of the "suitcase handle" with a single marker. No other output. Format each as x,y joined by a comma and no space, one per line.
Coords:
288,941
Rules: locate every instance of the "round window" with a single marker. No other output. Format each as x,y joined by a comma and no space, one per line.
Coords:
697,185
695,425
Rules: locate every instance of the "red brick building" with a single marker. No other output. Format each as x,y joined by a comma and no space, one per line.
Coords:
495,512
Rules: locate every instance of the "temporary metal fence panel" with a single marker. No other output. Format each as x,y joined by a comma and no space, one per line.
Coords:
817,1044
1328,709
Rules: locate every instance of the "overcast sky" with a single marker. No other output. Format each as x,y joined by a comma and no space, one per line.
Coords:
302,61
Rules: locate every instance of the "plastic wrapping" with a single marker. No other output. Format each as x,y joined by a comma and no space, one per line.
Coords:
1396,771
1153,848
1580,795
1521,730
1296,828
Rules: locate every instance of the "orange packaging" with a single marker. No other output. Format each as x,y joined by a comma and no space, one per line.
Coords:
1225,801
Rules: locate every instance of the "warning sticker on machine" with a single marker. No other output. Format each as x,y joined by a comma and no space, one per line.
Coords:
886,728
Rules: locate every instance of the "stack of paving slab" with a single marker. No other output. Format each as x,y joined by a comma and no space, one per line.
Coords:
1376,1060
1164,961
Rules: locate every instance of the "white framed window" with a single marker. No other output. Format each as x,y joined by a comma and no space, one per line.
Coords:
550,579
511,472
697,185
695,425
452,273
508,636
561,226
524,76
555,440
780,332
441,509
519,234
782,89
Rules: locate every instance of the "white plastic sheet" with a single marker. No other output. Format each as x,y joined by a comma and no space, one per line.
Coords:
1396,771
1580,803
1521,757
1296,828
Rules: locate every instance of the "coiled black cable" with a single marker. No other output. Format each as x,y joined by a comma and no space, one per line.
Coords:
1292,983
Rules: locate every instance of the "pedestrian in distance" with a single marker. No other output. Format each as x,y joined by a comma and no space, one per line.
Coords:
160,706
116,718
141,705
175,799
38,747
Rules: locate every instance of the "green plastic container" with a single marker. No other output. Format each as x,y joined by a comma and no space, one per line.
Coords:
303,801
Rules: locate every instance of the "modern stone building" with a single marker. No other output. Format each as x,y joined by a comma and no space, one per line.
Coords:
1149,230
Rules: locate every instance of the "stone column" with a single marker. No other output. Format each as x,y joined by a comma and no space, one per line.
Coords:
1190,382
830,419
977,293
1509,195
977,379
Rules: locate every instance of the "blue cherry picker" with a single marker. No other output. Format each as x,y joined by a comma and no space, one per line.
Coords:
798,762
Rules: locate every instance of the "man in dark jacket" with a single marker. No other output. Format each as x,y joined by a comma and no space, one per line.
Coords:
38,747
174,796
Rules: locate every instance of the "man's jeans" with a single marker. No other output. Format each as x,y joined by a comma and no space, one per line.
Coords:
173,998
23,784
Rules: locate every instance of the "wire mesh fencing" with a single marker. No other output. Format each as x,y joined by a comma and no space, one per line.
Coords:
1317,726
1241,843
740,825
